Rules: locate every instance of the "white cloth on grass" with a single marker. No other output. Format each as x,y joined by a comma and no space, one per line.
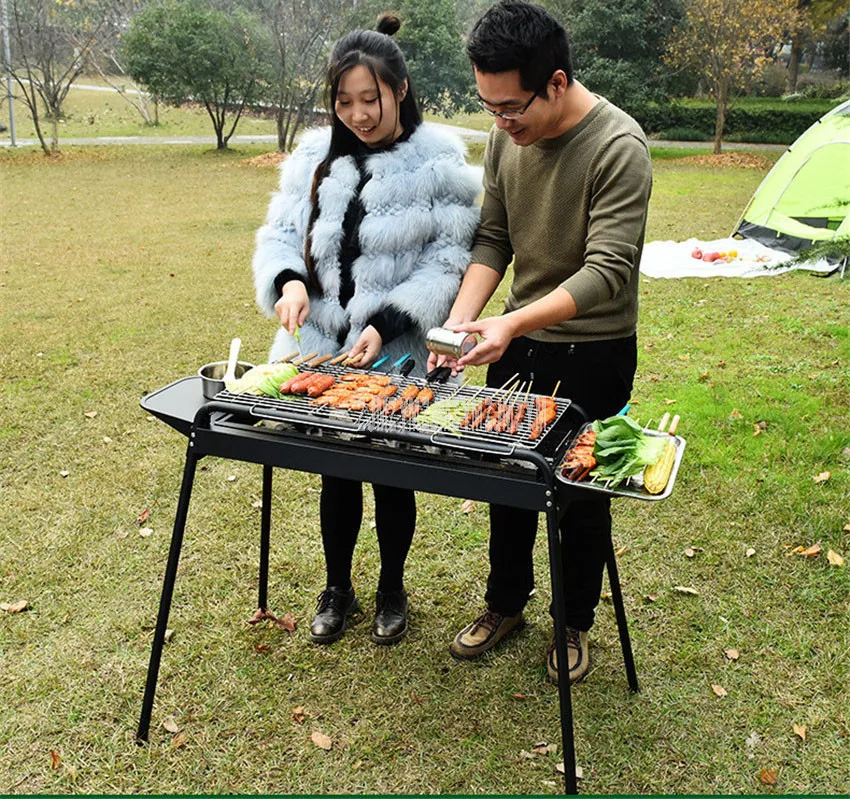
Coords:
673,259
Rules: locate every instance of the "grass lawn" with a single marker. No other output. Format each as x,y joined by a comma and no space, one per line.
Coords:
126,268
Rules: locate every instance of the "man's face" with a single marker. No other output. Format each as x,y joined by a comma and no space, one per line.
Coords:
501,91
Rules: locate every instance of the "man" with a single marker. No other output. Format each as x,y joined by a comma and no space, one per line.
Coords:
567,179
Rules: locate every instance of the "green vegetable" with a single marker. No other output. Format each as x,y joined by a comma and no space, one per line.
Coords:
297,334
447,413
263,379
622,449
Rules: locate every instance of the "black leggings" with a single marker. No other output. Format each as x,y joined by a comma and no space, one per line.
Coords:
598,376
341,516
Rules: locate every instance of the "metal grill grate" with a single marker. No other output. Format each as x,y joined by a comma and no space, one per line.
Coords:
302,410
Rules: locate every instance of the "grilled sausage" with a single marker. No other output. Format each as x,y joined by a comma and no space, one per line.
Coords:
425,397
410,392
320,384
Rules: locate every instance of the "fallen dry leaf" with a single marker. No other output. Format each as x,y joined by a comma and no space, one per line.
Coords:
684,589
719,690
468,506
14,607
321,740
621,551
732,654
519,697
64,473
795,551
90,414
800,730
178,740
651,597
811,552
735,414
298,714
55,759
689,552
750,552
261,615
579,771
145,532
171,725
262,648
526,755
759,427
286,622
834,558
767,776
144,515
544,749
822,477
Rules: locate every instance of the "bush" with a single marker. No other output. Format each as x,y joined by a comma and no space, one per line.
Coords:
759,121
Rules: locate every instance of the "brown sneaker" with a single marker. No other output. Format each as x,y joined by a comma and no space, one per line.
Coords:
578,652
483,634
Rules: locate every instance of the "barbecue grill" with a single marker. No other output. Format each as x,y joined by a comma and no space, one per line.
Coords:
508,468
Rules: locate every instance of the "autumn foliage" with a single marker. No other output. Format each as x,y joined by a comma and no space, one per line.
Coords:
725,41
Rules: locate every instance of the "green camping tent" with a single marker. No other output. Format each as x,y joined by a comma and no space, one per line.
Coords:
805,198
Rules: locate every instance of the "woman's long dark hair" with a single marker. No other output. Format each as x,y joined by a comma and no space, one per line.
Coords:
376,51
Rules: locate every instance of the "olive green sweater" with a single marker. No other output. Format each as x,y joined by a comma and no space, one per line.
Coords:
570,212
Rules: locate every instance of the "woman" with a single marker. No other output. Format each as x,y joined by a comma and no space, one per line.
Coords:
364,247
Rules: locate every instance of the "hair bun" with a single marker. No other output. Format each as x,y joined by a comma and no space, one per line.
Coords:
388,24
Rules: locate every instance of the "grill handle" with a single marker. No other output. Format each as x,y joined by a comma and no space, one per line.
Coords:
479,447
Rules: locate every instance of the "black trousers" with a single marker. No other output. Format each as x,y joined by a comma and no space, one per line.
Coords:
341,515
597,375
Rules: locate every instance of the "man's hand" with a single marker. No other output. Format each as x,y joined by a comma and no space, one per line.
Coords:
435,360
496,332
293,306
366,350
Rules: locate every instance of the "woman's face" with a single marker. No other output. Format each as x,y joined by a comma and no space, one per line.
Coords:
358,108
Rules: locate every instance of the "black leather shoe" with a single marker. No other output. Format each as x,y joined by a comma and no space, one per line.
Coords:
332,609
390,624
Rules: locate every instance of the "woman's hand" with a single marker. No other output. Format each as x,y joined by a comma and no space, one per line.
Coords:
293,306
366,350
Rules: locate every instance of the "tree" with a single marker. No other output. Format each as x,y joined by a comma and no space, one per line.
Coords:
812,19
106,61
618,45
186,50
430,38
302,33
724,41
51,42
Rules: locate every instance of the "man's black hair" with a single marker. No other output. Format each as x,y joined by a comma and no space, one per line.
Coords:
514,34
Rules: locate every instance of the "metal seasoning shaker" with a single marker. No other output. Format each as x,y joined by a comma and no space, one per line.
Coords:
442,341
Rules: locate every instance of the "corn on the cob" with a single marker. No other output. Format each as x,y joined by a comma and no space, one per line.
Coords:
655,476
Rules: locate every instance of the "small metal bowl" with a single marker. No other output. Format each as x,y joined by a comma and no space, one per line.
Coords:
212,376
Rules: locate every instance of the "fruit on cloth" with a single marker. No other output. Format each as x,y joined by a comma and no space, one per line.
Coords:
696,253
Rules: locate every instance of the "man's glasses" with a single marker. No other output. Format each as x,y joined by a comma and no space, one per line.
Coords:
509,114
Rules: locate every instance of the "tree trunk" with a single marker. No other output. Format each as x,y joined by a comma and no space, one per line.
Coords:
720,117
793,67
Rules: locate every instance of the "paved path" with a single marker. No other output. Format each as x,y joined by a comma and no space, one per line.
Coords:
468,134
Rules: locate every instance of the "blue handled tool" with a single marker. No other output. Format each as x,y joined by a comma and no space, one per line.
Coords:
380,361
400,361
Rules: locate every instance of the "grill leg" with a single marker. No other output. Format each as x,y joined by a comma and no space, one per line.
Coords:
265,536
167,593
620,612
557,574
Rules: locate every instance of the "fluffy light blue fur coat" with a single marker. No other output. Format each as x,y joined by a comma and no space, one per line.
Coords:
415,237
